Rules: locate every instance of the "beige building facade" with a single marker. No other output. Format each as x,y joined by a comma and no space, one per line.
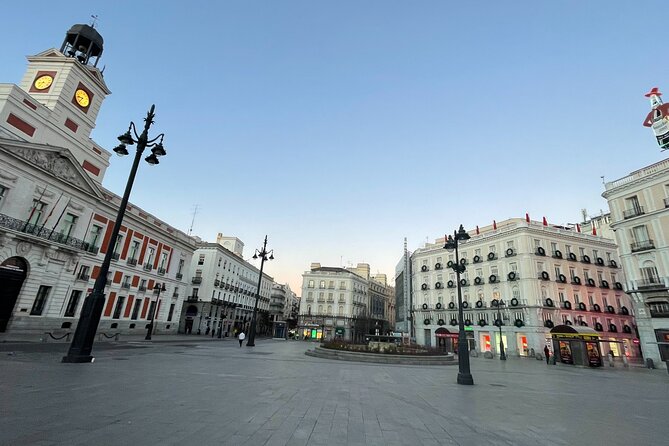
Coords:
639,204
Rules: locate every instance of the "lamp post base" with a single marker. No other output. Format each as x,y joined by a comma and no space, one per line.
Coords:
250,344
465,379
75,359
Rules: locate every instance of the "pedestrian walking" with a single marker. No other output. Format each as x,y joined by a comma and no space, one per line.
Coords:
241,337
547,353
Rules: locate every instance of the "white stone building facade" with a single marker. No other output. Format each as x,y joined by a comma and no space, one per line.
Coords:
639,204
222,293
346,303
545,275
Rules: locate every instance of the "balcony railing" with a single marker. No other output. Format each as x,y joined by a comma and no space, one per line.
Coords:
666,202
643,245
125,285
192,299
655,282
659,313
196,280
179,276
142,288
83,277
131,262
175,294
48,234
115,256
217,282
634,212
148,267
161,271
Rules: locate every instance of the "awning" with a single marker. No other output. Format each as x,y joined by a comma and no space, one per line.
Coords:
571,331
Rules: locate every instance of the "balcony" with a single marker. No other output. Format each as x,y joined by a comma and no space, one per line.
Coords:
666,202
659,313
126,285
179,276
634,212
82,276
116,256
192,299
148,267
131,262
161,271
217,282
142,288
175,295
643,245
42,232
196,280
653,282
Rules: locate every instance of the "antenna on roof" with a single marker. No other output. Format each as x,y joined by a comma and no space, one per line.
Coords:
190,230
94,21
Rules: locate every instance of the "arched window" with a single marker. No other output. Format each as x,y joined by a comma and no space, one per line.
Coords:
329,309
341,310
320,309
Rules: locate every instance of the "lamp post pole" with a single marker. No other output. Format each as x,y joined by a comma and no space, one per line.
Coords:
157,288
263,256
502,355
89,319
464,373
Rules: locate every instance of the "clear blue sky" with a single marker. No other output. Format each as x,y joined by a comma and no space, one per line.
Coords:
340,127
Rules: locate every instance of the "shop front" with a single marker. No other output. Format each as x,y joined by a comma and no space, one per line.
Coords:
446,341
521,342
576,345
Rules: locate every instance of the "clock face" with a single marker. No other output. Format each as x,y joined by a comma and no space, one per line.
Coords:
43,82
82,98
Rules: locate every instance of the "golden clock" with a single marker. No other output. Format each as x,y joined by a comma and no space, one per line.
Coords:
82,98
43,82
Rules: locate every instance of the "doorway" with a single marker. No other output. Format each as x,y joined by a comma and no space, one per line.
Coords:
13,272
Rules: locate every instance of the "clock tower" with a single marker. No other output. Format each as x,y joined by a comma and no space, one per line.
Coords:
65,90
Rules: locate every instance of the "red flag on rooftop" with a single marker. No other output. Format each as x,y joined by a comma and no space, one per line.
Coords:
578,227
494,224
477,230
594,230
527,217
545,222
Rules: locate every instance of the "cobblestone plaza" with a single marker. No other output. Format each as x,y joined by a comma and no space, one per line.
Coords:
196,391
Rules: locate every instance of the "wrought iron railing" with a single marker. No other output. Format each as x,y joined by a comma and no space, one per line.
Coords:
635,211
48,234
642,245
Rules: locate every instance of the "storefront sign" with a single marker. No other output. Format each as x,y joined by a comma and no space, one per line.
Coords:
565,352
594,360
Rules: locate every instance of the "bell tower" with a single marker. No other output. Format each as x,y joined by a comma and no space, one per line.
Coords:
70,88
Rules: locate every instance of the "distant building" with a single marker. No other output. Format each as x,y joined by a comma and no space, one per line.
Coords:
222,293
546,276
639,204
403,294
347,303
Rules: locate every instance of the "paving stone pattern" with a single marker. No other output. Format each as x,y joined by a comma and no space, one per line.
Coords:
215,393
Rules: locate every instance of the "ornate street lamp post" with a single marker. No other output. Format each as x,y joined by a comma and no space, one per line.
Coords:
499,323
263,254
84,335
156,289
464,374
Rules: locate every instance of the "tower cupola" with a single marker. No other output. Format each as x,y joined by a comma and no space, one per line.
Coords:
84,43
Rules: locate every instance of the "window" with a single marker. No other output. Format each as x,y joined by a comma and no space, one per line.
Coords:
567,248
83,272
331,284
513,267
649,273
329,309
591,299
181,266
152,306
577,298
595,254
561,296
342,285
572,273
94,235
554,247
311,284
72,303
491,248
126,281
493,270
40,300
321,284
69,222
149,259
581,251
134,250
509,244
135,309
119,307
163,260
201,260
118,245
557,271
219,262
341,310
36,211
320,309
632,204
3,192
640,234
537,243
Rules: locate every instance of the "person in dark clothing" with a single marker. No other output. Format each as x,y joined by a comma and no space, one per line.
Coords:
547,353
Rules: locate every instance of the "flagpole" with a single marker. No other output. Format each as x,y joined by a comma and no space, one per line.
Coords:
34,207
61,216
48,216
